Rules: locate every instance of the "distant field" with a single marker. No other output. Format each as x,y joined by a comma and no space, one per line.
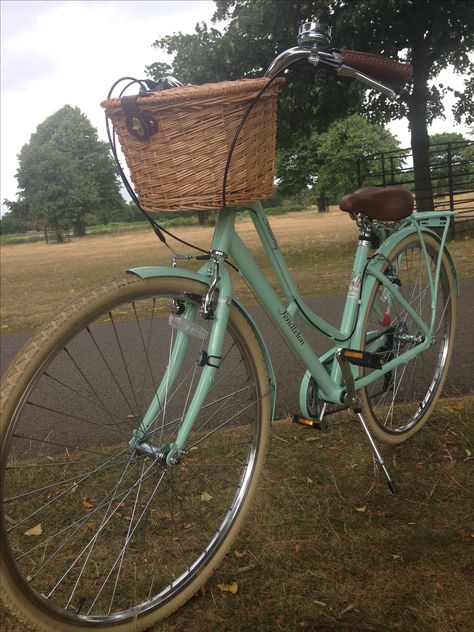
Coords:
37,279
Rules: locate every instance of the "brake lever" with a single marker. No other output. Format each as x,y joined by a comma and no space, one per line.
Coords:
347,71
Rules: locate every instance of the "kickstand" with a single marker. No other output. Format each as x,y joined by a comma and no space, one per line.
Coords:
352,400
377,456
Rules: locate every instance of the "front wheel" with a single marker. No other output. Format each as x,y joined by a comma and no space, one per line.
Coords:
96,534
400,402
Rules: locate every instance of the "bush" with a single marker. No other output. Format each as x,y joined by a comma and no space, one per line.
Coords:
10,225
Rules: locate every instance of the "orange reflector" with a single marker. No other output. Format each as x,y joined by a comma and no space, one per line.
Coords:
354,354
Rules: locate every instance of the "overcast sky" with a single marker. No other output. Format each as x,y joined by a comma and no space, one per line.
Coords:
70,52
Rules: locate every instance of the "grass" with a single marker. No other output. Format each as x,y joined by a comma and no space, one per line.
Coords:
327,547
38,279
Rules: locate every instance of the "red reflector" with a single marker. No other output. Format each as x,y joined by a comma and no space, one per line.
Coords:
387,320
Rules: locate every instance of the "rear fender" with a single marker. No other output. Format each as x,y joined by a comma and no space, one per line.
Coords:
425,228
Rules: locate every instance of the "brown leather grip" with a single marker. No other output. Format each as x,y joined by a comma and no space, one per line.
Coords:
378,67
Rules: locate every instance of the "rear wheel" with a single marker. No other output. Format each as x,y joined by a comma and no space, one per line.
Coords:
96,534
399,403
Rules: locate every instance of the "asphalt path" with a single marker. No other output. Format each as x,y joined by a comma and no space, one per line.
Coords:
289,371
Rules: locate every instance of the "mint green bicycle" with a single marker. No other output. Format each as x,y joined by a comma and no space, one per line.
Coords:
134,425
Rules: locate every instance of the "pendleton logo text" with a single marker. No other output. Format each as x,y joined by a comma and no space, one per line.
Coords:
292,326
271,235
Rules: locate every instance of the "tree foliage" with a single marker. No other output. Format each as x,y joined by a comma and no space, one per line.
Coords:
327,161
451,155
429,34
64,174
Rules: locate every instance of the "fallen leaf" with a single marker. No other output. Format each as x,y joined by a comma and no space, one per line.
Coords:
309,481
37,530
361,509
348,609
297,548
88,506
240,554
205,497
232,588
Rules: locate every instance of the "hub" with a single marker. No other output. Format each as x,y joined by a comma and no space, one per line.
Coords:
163,456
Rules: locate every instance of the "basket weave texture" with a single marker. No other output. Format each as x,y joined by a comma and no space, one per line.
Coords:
181,166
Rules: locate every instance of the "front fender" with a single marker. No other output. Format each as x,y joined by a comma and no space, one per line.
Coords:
150,272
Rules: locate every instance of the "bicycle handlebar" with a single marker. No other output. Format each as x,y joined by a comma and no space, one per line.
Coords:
366,67
378,67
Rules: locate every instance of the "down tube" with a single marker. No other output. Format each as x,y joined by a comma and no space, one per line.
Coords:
283,320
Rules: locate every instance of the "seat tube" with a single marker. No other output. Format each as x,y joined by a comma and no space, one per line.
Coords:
353,298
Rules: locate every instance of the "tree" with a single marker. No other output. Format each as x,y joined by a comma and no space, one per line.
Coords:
451,162
430,34
64,173
326,162
341,146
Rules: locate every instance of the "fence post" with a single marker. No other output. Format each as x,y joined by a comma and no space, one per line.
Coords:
451,187
392,171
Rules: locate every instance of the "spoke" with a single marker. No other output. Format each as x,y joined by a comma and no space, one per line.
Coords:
126,542
168,368
223,424
132,390
79,525
76,417
88,382
112,374
127,537
147,355
76,483
57,483
60,581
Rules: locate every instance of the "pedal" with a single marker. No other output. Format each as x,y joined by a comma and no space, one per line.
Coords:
307,423
362,358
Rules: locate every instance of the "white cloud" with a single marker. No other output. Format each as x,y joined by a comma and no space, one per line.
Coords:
55,53
58,52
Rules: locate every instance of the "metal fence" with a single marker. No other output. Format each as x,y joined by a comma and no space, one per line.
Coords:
452,177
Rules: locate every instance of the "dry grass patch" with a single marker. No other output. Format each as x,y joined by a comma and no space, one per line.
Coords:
327,547
38,279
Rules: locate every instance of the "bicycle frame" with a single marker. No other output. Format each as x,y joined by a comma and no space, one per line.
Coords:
325,370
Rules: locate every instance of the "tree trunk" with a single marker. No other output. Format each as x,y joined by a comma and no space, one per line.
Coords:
420,141
203,218
79,228
323,205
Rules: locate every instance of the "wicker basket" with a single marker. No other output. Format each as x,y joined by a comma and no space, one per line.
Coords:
181,165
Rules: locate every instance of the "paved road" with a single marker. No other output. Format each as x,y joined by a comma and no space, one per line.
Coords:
288,370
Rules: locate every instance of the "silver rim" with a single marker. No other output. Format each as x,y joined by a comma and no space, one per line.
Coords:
399,401
93,530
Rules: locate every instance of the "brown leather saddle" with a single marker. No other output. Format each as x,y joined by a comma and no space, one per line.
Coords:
388,204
